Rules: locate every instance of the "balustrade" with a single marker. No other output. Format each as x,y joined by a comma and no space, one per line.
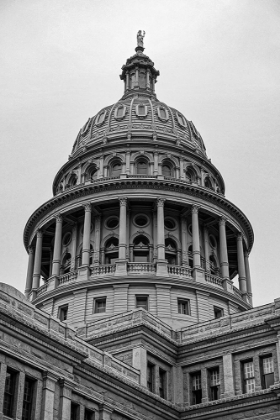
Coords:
141,268
210,278
42,289
103,269
66,278
178,270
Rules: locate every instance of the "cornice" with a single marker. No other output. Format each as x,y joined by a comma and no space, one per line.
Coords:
104,185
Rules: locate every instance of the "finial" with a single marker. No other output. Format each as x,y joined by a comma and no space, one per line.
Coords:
140,41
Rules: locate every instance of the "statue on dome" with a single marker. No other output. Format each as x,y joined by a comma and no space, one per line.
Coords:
140,39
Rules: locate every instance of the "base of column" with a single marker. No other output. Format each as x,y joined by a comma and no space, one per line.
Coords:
198,275
121,268
32,295
83,273
228,285
162,268
52,283
245,297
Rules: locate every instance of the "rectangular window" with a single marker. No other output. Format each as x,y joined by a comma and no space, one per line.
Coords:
74,411
100,305
162,383
9,393
218,312
142,302
267,371
63,312
249,377
214,376
89,415
27,398
150,377
183,307
196,388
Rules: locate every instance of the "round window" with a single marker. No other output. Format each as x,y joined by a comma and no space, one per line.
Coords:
169,223
112,222
141,220
67,238
212,241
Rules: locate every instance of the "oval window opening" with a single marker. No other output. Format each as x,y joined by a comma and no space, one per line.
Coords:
112,223
141,220
169,223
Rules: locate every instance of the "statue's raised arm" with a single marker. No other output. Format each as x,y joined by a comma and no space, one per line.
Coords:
140,38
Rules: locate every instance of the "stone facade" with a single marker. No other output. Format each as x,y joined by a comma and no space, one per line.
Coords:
130,310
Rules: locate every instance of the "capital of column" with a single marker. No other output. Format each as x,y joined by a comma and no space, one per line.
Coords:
222,221
160,202
58,218
30,250
239,236
195,208
39,234
87,207
123,201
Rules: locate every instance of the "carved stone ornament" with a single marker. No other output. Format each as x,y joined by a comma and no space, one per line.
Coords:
123,201
87,207
30,250
59,218
195,208
160,202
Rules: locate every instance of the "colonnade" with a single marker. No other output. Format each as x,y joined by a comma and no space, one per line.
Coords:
34,263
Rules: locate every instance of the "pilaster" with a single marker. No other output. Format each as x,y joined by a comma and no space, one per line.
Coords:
139,361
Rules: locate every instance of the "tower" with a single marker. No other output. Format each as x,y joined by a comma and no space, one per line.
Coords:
131,307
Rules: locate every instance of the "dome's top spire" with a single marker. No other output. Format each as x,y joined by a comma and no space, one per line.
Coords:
139,74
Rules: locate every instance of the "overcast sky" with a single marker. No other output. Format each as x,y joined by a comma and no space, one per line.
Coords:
220,66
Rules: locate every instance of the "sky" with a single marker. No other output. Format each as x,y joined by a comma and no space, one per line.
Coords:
219,65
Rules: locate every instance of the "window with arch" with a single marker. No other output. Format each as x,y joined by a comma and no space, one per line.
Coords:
141,110
91,173
141,249
80,256
100,118
208,183
142,79
181,119
170,251
162,113
66,263
142,167
191,175
59,188
111,250
115,168
167,169
72,180
120,112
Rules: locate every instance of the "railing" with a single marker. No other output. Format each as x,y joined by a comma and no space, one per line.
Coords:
177,270
210,278
42,289
141,268
66,278
141,176
103,269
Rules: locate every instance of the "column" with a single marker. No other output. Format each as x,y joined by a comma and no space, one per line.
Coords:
128,217
182,174
241,264
57,246
37,261
19,395
148,79
97,240
139,361
86,235
228,390
184,241
155,163
29,276
65,400
177,170
248,277
121,264
101,163
49,382
127,80
161,261
195,235
155,235
223,249
127,162
178,385
136,77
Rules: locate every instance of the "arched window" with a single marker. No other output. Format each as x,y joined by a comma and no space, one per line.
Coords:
66,263
111,250
142,167
190,175
72,180
167,169
170,251
162,113
100,118
207,183
115,168
141,249
91,173
142,79
181,119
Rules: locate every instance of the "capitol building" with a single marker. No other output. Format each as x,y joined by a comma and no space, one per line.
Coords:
138,302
